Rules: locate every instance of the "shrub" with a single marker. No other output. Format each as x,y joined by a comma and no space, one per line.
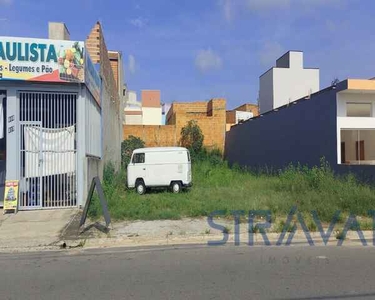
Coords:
192,137
109,173
127,148
213,156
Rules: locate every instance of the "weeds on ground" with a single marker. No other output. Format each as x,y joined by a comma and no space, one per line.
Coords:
217,187
340,235
226,229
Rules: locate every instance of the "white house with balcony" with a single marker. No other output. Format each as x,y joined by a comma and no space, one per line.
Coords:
356,123
336,124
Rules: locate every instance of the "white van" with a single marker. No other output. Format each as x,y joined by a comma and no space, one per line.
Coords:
159,167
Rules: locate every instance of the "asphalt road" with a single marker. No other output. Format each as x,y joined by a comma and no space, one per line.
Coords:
192,273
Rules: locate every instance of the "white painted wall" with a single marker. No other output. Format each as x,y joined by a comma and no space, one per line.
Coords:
243,115
293,84
133,120
359,123
132,98
151,115
287,82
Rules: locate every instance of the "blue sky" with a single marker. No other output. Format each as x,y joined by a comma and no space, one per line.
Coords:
200,49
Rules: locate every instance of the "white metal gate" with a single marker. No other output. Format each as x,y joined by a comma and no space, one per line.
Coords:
48,161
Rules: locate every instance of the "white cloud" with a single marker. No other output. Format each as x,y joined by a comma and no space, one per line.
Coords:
137,22
270,52
208,60
228,9
132,66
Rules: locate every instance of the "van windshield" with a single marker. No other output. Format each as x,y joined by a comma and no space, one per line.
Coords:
188,154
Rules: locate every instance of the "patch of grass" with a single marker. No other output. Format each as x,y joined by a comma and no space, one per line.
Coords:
311,226
340,235
256,229
281,225
226,229
366,225
218,187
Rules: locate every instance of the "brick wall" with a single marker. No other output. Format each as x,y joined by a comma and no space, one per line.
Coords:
93,44
231,117
114,65
210,116
153,135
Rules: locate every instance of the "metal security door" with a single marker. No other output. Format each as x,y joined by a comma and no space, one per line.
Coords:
48,150
31,167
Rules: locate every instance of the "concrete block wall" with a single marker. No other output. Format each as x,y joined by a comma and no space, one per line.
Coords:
301,133
110,102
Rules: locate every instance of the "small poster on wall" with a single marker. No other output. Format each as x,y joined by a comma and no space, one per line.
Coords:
11,196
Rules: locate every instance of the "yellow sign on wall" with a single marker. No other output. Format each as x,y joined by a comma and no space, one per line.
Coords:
11,195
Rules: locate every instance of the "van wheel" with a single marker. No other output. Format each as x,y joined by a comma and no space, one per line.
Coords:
176,187
140,187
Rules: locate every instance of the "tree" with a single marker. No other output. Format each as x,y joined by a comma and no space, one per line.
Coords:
127,148
192,137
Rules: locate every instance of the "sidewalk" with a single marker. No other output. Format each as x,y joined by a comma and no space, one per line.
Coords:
190,231
51,229
33,230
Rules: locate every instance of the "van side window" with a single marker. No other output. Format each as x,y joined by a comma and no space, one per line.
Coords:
138,158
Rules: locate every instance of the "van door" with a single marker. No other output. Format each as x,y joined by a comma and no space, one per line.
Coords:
155,170
138,167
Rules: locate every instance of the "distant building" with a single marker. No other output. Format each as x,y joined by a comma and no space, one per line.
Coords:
287,82
60,117
148,111
164,112
241,114
151,107
337,124
210,116
132,109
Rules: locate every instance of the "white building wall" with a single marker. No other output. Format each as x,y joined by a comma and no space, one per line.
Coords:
243,116
293,84
133,120
151,115
287,82
132,98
